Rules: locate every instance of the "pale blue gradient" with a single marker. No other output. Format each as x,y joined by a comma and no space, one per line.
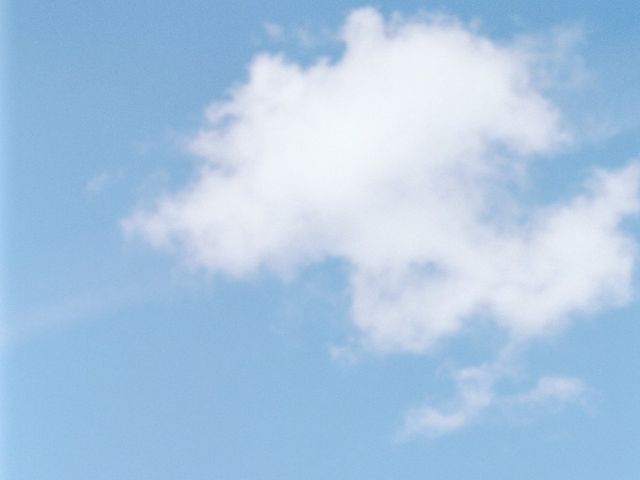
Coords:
121,364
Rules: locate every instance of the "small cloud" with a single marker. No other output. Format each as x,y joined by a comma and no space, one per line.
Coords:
474,394
305,37
273,30
98,183
344,354
553,389
429,419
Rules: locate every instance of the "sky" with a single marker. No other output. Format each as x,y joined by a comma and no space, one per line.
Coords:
283,240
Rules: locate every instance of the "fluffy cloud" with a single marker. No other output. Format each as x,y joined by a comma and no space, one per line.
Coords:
400,158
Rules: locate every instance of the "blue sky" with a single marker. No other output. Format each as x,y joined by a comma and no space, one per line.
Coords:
291,311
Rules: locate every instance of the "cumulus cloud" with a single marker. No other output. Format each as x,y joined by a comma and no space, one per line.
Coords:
400,158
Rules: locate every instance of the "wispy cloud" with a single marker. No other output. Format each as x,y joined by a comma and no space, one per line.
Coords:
474,395
303,37
400,158
273,30
553,389
102,181
477,392
97,183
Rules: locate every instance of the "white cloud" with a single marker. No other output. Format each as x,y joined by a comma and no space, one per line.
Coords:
476,393
553,388
97,183
399,158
